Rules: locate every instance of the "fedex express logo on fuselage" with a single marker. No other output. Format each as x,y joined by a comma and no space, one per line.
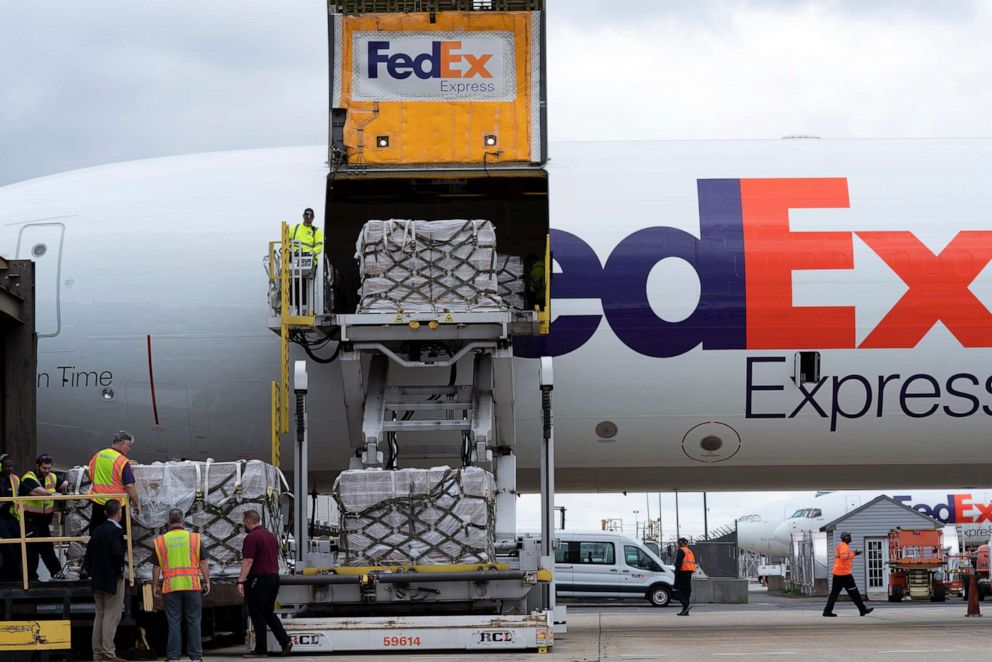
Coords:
745,257
425,66
958,509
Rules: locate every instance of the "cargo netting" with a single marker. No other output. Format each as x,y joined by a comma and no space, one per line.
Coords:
214,496
510,280
438,516
430,266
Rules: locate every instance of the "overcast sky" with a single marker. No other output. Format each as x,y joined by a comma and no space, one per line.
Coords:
99,81
84,83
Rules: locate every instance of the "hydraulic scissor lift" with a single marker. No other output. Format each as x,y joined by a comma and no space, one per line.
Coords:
434,386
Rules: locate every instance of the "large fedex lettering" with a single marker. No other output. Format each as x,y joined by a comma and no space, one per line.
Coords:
444,60
745,257
958,509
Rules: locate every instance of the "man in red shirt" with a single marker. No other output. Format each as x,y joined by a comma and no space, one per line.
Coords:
259,583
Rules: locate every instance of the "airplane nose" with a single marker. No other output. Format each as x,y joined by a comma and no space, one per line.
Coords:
782,536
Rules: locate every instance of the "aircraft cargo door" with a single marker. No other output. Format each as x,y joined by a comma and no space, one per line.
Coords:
42,243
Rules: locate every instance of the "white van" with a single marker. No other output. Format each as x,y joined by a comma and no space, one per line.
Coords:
610,565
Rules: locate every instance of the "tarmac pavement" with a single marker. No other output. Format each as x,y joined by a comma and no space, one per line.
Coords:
771,628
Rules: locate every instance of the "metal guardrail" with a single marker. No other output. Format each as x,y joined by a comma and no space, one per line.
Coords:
24,540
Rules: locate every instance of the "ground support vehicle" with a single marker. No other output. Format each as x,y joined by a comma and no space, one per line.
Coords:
917,565
610,565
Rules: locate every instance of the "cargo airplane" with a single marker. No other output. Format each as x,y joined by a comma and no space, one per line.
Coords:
727,315
770,531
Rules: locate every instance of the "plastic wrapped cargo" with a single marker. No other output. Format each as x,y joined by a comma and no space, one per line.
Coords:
214,496
510,280
426,266
438,516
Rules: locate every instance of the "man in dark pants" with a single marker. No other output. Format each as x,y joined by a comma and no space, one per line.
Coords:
685,565
259,583
38,514
843,579
10,526
104,561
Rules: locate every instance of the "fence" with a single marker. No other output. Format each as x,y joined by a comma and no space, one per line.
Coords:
24,540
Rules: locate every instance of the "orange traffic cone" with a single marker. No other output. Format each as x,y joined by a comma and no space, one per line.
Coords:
973,608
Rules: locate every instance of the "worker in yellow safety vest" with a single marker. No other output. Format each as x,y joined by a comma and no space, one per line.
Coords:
178,565
10,555
39,513
306,235
110,473
685,565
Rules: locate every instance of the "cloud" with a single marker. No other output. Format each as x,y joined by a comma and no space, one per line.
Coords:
97,82
86,83
769,73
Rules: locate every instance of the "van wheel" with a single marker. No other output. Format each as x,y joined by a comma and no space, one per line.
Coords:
659,596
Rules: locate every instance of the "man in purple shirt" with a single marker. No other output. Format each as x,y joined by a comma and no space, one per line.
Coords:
259,583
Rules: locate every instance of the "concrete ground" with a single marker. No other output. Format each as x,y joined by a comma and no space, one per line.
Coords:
769,628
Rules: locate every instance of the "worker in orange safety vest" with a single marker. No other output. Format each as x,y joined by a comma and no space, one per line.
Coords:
110,473
844,579
685,565
178,565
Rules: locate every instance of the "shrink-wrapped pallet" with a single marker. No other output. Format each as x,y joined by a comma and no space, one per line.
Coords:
510,280
438,516
214,496
427,266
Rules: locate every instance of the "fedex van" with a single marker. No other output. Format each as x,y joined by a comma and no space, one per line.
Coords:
610,565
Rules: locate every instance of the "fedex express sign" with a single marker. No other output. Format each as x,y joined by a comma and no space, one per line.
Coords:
431,66
745,257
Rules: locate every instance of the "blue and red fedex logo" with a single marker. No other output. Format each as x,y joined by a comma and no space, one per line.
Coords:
404,66
745,257
958,509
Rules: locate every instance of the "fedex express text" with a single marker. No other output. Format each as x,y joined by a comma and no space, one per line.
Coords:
745,256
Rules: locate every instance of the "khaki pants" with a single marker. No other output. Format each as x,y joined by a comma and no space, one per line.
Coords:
109,608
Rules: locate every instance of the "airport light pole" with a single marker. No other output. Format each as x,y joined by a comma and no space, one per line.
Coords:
706,526
678,531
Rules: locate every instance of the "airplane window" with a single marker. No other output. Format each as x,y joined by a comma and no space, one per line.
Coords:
636,558
798,513
815,512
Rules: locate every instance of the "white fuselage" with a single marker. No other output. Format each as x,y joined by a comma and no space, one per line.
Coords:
771,531
155,267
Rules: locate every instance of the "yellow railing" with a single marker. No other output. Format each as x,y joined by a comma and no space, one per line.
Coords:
24,541
544,313
280,273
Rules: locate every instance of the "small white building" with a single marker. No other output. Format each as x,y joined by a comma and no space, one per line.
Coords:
869,526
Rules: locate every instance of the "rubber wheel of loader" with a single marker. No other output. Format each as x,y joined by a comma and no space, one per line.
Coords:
939,593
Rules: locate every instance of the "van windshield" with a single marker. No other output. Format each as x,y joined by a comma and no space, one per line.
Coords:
636,558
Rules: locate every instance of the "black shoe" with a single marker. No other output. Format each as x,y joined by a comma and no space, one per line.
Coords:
287,648
830,614
867,611
684,612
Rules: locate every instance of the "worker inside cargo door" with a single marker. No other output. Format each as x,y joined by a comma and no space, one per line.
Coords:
535,274
306,238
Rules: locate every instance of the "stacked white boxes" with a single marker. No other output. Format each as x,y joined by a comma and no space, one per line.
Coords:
438,516
214,496
428,266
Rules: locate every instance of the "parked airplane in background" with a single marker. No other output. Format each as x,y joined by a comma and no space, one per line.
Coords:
728,315
770,531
